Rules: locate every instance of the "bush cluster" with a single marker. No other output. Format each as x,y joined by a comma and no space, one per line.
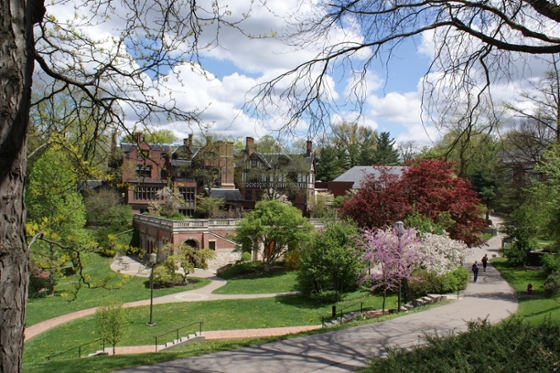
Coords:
430,283
512,346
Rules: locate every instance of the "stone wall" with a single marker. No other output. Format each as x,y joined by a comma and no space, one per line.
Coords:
224,258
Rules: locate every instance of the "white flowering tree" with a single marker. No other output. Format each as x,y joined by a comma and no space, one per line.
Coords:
445,254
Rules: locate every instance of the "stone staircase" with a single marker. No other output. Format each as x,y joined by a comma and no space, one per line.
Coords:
191,338
350,316
428,299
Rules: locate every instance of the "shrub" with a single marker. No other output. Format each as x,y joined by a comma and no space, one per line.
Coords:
551,263
292,259
246,256
552,285
511,346
430,283
38,280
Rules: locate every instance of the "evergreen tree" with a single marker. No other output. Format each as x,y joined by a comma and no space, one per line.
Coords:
329,165
385,153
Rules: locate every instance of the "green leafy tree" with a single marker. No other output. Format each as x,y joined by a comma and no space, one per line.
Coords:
209,206
111,323
385,152
273,228
173,264
163,136
56,214
330,261
104,208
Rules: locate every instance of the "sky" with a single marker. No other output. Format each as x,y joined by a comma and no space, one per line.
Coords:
233,69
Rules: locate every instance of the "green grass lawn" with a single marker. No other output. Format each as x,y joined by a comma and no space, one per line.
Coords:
535,308
130,289
216,315
274,282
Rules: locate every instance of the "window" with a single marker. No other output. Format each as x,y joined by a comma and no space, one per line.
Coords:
143,171
146,193
187,194
259,195
212,245
249,195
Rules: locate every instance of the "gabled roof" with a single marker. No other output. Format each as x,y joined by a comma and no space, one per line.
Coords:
229,195
127,148
358,173
272,160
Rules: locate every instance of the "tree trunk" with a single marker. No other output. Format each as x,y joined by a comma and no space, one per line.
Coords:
16,61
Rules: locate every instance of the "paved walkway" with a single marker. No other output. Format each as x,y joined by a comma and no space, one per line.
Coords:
349,349
197,295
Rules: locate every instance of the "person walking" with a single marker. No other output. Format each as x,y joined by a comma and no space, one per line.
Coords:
484,261
474,270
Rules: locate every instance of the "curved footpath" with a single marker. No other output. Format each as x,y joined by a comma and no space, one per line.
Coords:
197,295
348,349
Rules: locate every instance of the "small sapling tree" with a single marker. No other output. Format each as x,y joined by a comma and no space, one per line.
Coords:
111,323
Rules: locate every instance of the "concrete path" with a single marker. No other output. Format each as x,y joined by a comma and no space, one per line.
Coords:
197,295
346,350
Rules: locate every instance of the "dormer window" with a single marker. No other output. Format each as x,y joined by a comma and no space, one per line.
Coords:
143,171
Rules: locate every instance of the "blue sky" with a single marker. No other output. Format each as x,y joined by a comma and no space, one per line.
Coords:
393,102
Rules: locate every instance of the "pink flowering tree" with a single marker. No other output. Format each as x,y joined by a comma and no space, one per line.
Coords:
391,258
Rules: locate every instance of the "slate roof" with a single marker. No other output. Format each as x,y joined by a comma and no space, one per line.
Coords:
357,174
229,195
157,147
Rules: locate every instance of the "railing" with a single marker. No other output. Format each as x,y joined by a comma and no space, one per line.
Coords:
176,331
353,307
186,223
79,349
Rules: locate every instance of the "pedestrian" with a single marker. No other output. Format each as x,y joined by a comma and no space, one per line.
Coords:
484,261
474,270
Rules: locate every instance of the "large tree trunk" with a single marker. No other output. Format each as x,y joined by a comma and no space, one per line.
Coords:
16,70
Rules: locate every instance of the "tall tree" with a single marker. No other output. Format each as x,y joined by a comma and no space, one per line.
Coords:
56,214
330,261
427,187
329,164
385,152
104,76
273,228
153,136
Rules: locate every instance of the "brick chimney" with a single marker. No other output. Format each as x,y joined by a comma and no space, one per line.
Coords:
309,148
137,137
249,145
188,142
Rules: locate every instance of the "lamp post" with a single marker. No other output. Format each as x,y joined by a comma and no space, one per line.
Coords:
153,261
399,227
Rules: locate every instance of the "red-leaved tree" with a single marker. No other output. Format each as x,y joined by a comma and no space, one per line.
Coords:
430,187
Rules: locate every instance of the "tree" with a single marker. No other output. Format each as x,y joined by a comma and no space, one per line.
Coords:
104,77
445,254
385,153
330,261
428,187
56,214
111,323
321,205
475,44
163,136
183,260
329,164
396,256
273,228
209,206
